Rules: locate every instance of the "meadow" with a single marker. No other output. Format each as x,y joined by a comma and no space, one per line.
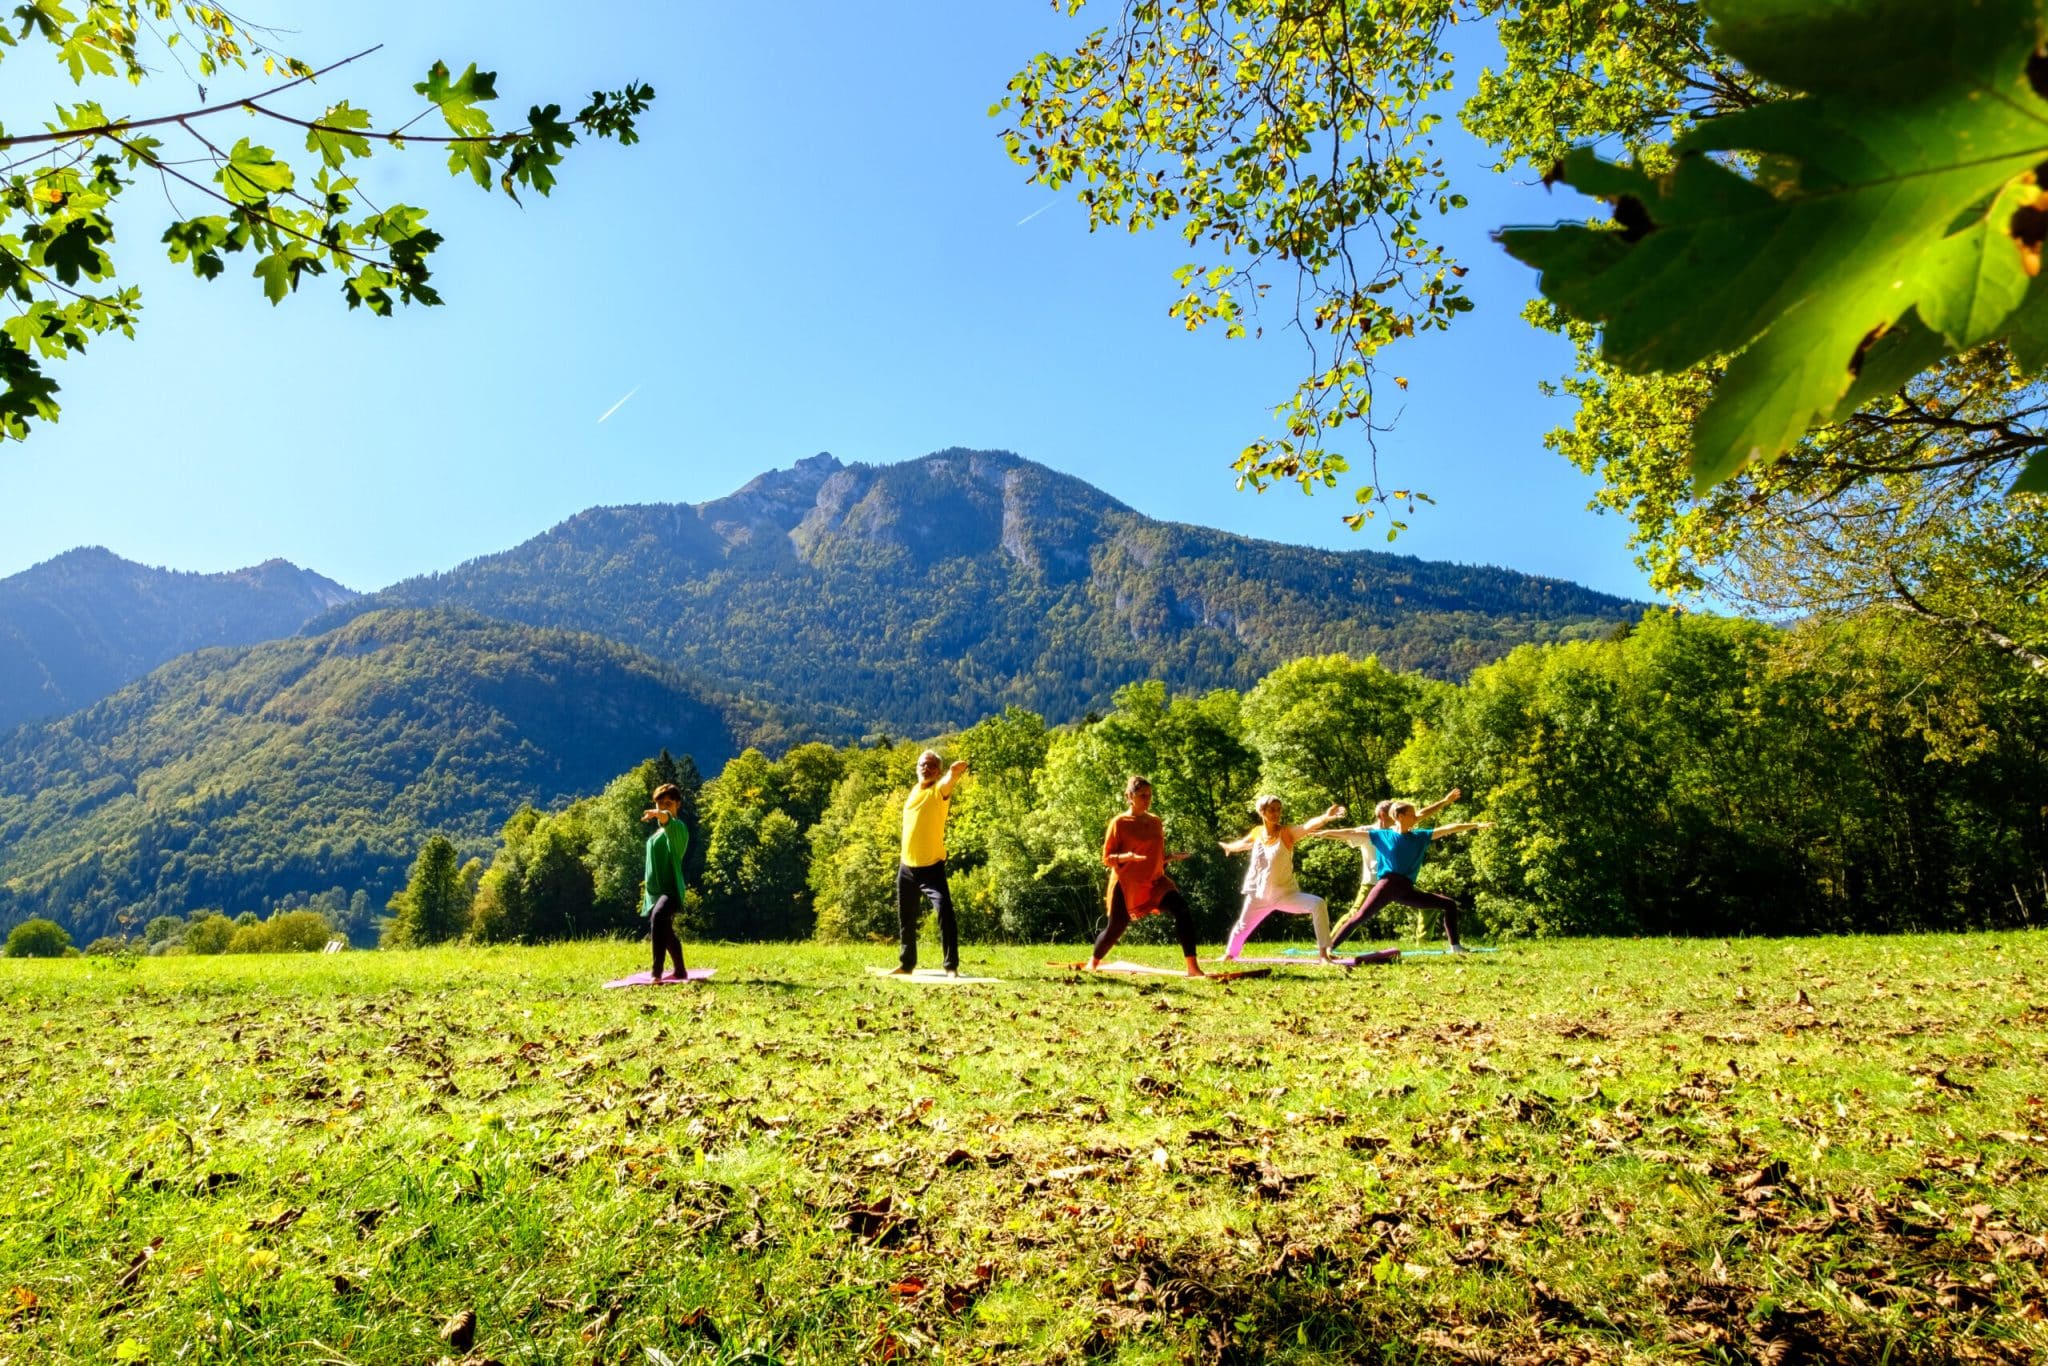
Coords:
1600,1150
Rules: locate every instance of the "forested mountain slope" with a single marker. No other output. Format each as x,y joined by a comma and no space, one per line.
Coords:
313,768
75,628
928,593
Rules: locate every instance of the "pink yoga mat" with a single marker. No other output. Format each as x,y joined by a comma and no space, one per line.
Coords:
1340,961
642,979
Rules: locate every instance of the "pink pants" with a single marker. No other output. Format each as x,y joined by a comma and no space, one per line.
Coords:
1294,903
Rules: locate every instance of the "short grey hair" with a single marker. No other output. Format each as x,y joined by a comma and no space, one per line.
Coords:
1264,800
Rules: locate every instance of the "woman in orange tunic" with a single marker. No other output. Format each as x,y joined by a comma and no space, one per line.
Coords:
1134,847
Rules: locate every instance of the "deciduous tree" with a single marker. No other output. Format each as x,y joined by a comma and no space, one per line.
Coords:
289,196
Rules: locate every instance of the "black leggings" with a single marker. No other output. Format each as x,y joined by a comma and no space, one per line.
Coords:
928,882
662,926
1393,889
1173,903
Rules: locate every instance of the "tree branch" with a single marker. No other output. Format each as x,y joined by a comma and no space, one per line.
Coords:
1974,624
130,125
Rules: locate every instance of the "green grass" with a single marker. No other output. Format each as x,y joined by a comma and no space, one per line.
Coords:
1698,1151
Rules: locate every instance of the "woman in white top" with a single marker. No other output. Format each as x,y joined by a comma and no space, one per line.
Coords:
1269,884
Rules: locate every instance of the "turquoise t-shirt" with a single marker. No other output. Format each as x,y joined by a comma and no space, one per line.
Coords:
1399,852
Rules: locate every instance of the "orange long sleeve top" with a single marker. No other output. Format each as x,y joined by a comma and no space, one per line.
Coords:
1143,880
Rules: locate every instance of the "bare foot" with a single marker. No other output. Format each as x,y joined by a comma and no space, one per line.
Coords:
1094,965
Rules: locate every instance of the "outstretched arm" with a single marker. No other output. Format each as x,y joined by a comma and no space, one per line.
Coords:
1460,828
1435,807
1237,846
953,776
1315,824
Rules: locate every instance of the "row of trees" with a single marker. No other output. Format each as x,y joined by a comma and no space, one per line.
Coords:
1688,775
209,932
202,932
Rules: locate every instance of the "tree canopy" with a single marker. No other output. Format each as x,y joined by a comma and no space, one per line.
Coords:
297,211
1742,122
1887,219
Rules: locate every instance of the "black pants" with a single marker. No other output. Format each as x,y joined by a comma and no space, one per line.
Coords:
1395,890
1173,903
662,926
930,883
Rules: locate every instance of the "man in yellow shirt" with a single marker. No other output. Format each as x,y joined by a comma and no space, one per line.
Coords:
922,871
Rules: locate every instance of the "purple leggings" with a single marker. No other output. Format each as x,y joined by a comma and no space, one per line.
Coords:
1173,903
1393,889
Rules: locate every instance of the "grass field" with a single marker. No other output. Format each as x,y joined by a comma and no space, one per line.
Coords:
1769,1151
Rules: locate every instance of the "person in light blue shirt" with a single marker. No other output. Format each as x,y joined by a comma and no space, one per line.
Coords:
1398,853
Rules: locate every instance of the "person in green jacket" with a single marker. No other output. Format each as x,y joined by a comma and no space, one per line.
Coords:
661,899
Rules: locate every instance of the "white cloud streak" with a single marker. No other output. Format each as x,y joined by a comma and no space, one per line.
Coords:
620,404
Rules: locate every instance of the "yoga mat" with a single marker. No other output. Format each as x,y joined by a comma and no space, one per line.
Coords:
642,979
1339,962
1147,970
931,977
1395,953
1308,957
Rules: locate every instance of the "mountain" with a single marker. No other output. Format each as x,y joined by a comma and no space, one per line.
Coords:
925,594
75,628
311,768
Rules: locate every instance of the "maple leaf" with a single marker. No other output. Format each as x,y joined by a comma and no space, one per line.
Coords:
1892,219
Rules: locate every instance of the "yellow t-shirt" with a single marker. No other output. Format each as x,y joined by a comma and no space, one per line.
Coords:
924,826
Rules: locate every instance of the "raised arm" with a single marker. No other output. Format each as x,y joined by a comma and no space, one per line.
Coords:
1239,846
953,776
1435,807
1460,828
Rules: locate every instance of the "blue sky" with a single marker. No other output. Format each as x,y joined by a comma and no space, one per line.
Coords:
818,246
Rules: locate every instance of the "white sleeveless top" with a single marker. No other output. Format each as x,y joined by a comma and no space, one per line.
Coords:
1271,874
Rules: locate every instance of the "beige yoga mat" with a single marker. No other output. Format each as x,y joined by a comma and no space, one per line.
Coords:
931,977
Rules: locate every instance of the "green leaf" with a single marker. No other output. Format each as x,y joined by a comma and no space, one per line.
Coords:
275,271
74,251
473,157
1892,357
2026,333
198,240
2034,476
1903,110
1975,276
339,135
253,174
280,270
47,18
536,152
458,99
86,51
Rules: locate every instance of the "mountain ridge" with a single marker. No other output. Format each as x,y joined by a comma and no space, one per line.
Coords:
78,626
259,776
927,592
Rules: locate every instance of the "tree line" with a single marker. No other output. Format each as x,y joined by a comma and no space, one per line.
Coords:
1686,775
